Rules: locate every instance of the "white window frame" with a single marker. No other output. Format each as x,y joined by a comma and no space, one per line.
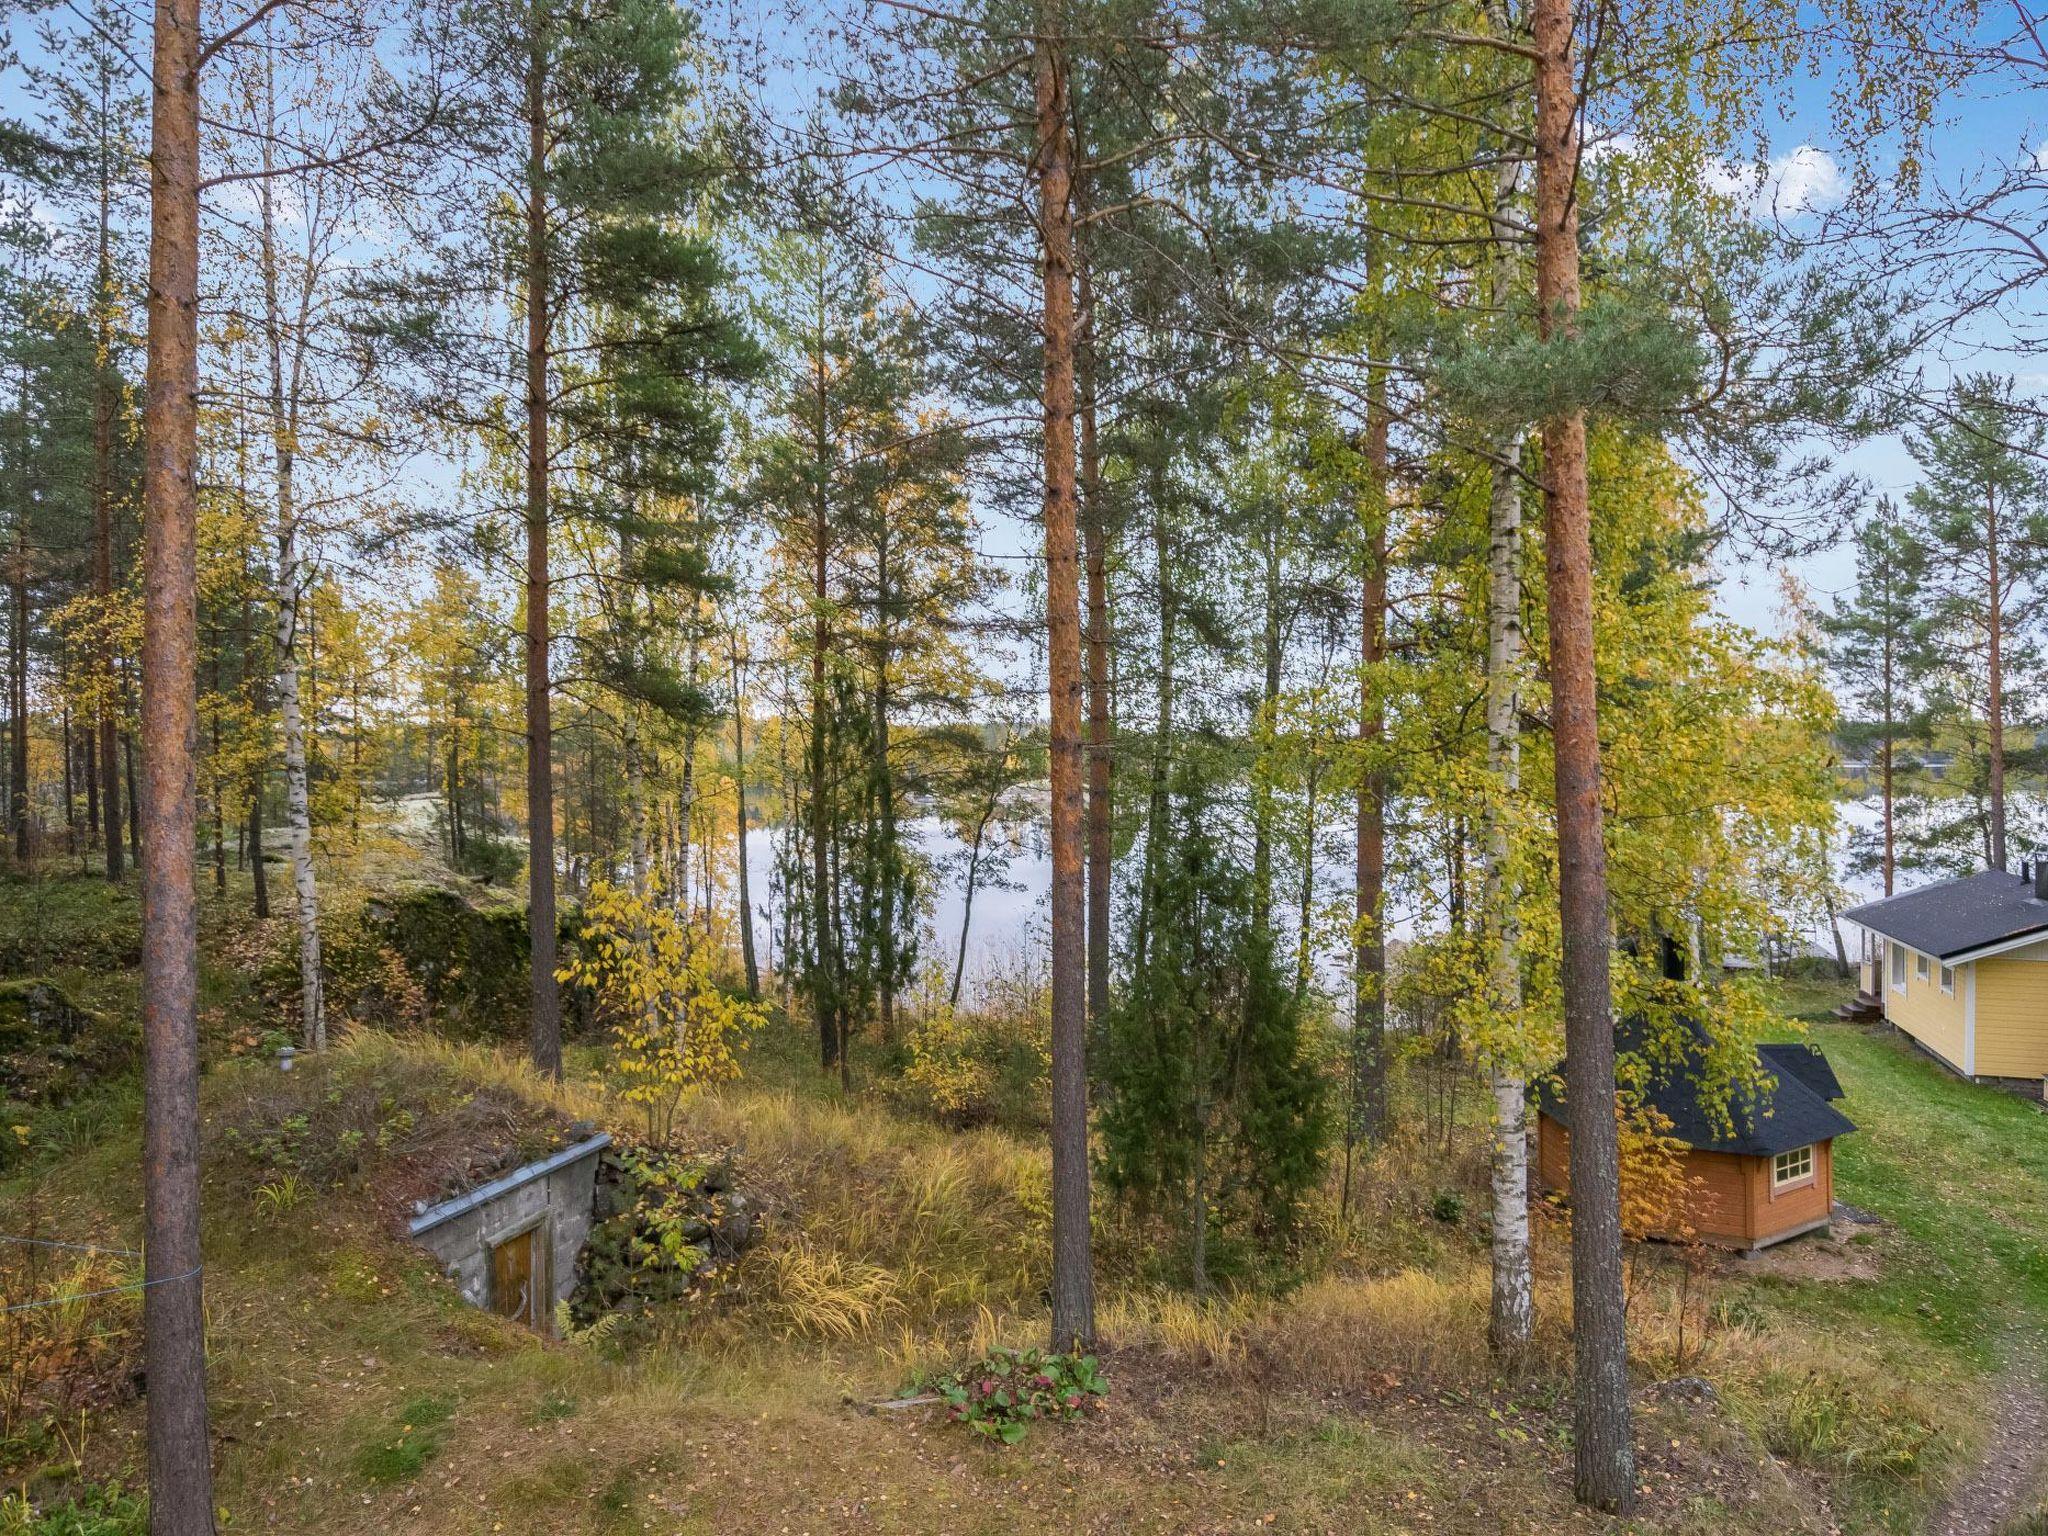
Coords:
1948,980
1898,967
1800,1162
1920,970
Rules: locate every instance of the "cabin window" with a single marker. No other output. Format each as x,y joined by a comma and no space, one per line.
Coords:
1919,967
1948,980
1898,969
1791,1167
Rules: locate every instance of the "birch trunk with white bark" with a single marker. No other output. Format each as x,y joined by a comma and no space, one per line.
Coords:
285,392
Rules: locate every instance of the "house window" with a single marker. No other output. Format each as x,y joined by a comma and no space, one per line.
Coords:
1948,980
1791,1167
1898,969
1919,967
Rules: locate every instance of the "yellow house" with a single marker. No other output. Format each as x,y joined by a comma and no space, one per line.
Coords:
1961,966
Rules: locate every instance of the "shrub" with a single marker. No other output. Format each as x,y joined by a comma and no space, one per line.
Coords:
94,1512
673,1030
999,1395
980,1068
664,1223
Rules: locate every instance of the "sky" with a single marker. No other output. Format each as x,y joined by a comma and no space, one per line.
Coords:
1984,125
1800,180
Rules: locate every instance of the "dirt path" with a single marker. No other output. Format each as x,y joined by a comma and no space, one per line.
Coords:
2008,1471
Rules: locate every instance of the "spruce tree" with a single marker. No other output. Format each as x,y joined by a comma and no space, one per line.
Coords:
1211,1108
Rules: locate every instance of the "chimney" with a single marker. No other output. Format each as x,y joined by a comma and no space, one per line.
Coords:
2041,879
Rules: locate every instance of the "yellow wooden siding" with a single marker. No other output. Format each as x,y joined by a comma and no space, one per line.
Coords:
2012,1015
1933,1017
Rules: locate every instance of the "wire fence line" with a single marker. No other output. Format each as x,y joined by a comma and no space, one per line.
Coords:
89,1248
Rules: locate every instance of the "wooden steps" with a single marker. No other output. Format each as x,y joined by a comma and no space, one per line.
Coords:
1861,1009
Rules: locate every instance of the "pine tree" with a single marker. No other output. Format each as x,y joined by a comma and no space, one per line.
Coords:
577,124
1878,649
1981,513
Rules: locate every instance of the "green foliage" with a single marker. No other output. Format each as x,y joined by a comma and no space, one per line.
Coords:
1211,1104
82,922
981,1066
661,1219
98,1511
1000,1395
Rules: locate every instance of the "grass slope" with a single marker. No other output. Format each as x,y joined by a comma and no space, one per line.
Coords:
354,1392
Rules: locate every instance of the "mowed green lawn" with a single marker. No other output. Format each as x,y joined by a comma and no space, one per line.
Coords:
1883,1378
1962,1171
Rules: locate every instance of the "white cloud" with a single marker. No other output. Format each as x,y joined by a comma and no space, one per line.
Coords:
1807,180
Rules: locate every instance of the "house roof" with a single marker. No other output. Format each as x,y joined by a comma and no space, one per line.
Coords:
1791,1108
1956,917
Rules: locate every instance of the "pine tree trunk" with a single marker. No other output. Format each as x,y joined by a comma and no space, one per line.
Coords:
1603,1452
174,1317
1995,713
1269,710
1095,538
1073,1262
545,1025
825,951
17,648
1162,710
103,408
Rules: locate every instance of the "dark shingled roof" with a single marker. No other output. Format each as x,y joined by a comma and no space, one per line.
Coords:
1953,917
1796,1112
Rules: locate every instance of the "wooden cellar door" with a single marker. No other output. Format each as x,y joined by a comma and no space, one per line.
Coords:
514,1278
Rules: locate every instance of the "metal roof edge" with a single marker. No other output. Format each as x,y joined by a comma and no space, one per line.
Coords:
504,1184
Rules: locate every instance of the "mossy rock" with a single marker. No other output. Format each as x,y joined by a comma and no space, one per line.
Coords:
80,920
469,954
52,1050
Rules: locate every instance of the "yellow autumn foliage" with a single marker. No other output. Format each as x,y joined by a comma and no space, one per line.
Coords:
674,1030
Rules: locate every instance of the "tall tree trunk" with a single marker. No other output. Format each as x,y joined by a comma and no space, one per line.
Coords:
173,1312
216,796
885,792
1095,539
686,793
17,647
1073,1260
739,795
1162,710
1603,1452
70,784
825,950
285,590
1995,713
545,1025
1884,754
134,789
1512,1314
1267,728
89,764
254,690
103,408
1369,947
